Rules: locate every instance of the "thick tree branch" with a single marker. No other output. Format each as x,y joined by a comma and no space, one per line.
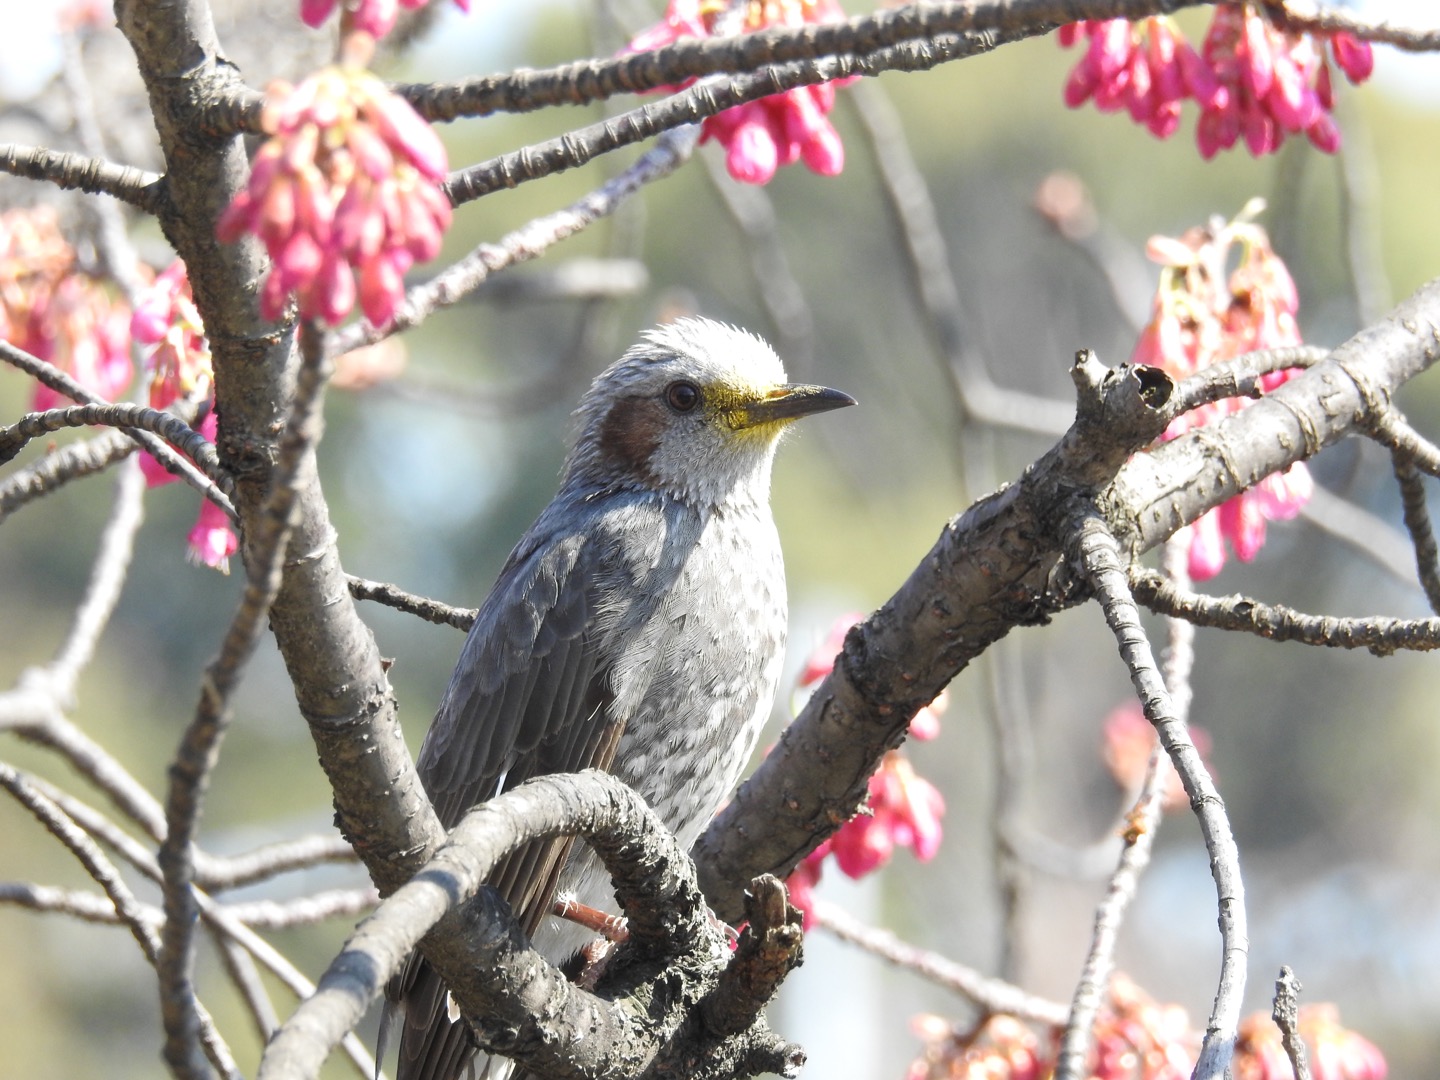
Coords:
989,572
519,1004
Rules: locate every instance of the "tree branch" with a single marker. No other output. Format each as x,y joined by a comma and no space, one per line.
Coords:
142,190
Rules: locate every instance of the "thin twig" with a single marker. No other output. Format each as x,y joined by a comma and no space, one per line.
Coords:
1286,1014
992,995
216,873
62,383
107,577
112,241
525,243
1142,824
391,596
1379,634
1393,431
56,469
127,909
1417,521
907,193
753,212
705,99
199,747
1095,553
124,415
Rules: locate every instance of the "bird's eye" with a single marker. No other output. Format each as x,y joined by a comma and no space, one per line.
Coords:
682,396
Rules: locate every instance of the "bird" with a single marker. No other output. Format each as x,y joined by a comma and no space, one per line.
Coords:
637,627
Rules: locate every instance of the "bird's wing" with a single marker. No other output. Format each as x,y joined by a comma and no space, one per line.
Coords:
530,696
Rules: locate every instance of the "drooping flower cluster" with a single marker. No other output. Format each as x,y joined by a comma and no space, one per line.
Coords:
1002,1048
1136,1038
902,809
1250,78
1335,1053
177,358
1128,741
178,354
55,312
374,17
346,186
1204,315
761,136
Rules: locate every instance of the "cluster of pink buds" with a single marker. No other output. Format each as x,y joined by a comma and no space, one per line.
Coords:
1202,315
761,136
345,186
902,810
1002,1048
178,354
1137,1038
374,17
1336,1053
178,360
1250,78
58,314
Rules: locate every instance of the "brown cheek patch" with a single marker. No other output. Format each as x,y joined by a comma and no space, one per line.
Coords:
631,433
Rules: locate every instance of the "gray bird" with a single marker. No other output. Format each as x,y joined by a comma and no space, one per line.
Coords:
637,627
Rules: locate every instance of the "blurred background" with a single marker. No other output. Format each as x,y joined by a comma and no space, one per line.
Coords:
1327,760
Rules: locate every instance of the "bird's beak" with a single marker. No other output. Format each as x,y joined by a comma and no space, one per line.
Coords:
789,402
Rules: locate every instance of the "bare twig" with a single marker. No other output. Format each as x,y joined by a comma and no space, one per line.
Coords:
123,415
199,747
430,610
1095,553
525,243
1417,521
975,394
1142,824
56,469
1379,634
127,909
215,873
1286,1014
62,383
992,995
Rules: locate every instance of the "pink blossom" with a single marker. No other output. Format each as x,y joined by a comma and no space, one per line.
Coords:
761,136
1137,1038
165,318
212,541
1251,79
1002,1048
903,810
374,17
347,185
85,334
1203,315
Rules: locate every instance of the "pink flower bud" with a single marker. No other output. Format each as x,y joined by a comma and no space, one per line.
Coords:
1354,56
752,156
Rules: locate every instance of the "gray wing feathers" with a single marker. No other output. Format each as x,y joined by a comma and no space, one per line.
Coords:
530,696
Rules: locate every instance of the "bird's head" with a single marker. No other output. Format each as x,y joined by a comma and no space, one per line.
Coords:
695,409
